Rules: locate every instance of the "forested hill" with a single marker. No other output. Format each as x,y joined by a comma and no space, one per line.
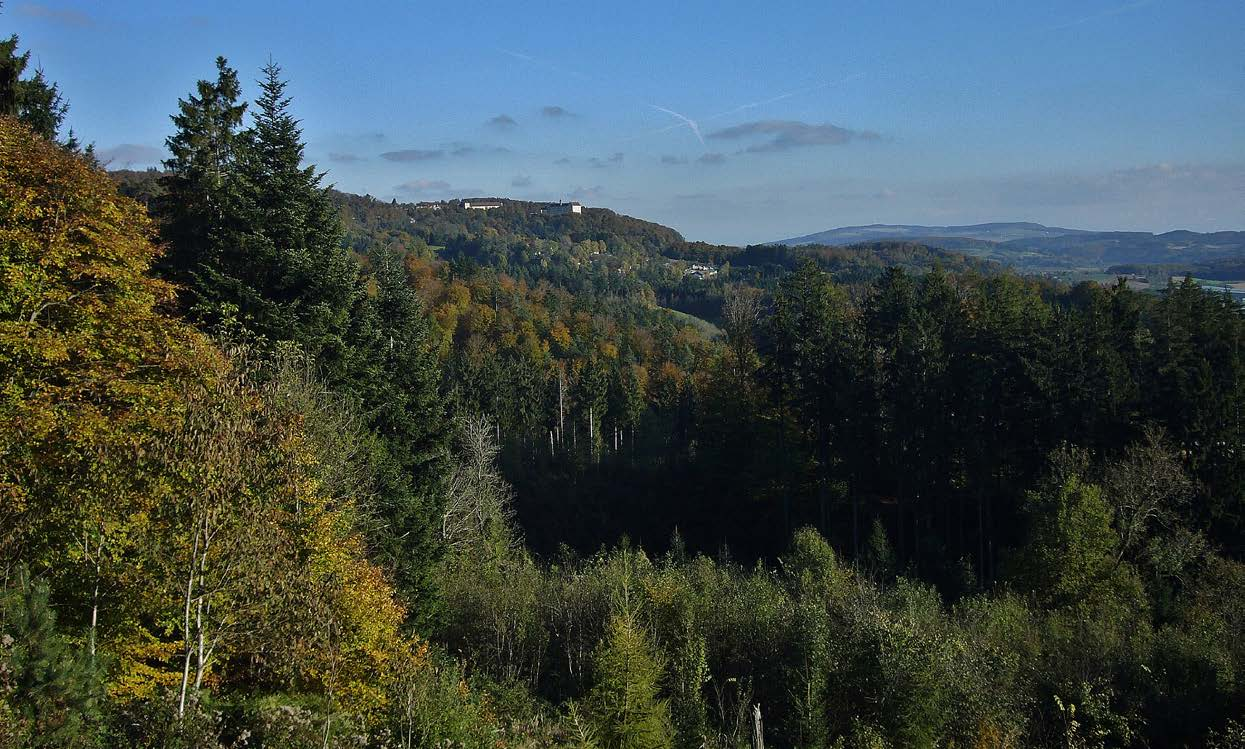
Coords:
505,235
517,233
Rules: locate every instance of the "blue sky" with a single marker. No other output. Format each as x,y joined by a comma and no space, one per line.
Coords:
730,121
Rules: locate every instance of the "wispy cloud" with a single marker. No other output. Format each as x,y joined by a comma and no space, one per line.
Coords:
56,15
517,55
564,161
587,193
669,160
521,180
691,124
502,122
554,112
459,149
424,186
126,155
783,135
712,159
413,154
614,159
883,194
1161,182
345,158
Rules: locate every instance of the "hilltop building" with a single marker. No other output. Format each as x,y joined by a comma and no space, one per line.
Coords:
562,209
482,205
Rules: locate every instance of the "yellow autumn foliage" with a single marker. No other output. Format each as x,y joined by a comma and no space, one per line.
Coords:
114,448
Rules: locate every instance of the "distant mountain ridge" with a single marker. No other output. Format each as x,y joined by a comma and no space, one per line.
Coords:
1032,245
992,232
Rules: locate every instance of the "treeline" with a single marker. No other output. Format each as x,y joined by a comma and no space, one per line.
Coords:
851,264
936,400
1225,269
521,219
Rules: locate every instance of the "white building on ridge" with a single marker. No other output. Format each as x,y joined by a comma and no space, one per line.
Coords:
562,209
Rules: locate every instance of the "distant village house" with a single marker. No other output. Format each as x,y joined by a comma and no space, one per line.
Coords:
700,271
481,205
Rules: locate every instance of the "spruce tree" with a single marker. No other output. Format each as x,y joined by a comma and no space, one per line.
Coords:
287,271
35,101
397,377
251,231
196,209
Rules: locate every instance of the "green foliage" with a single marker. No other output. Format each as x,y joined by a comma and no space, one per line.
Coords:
395,376
50,688
1072,551
200,517
1231,737
625,703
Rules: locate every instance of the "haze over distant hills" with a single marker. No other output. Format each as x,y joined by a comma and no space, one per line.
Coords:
1032,245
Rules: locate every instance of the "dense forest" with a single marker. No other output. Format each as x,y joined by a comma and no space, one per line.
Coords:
287,467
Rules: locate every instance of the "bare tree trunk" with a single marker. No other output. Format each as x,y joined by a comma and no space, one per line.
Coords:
94,612
758,732
190,583
99,551
199,644
561,413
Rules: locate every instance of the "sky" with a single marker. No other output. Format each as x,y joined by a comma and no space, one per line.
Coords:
732,122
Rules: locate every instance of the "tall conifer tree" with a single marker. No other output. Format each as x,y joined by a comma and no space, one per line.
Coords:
197,209
397,377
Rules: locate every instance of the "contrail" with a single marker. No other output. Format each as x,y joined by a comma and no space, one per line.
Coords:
1102,14
540,63
741,107
786,95
516,55
687,120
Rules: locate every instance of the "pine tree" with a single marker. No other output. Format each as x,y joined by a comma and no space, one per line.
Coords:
625,702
